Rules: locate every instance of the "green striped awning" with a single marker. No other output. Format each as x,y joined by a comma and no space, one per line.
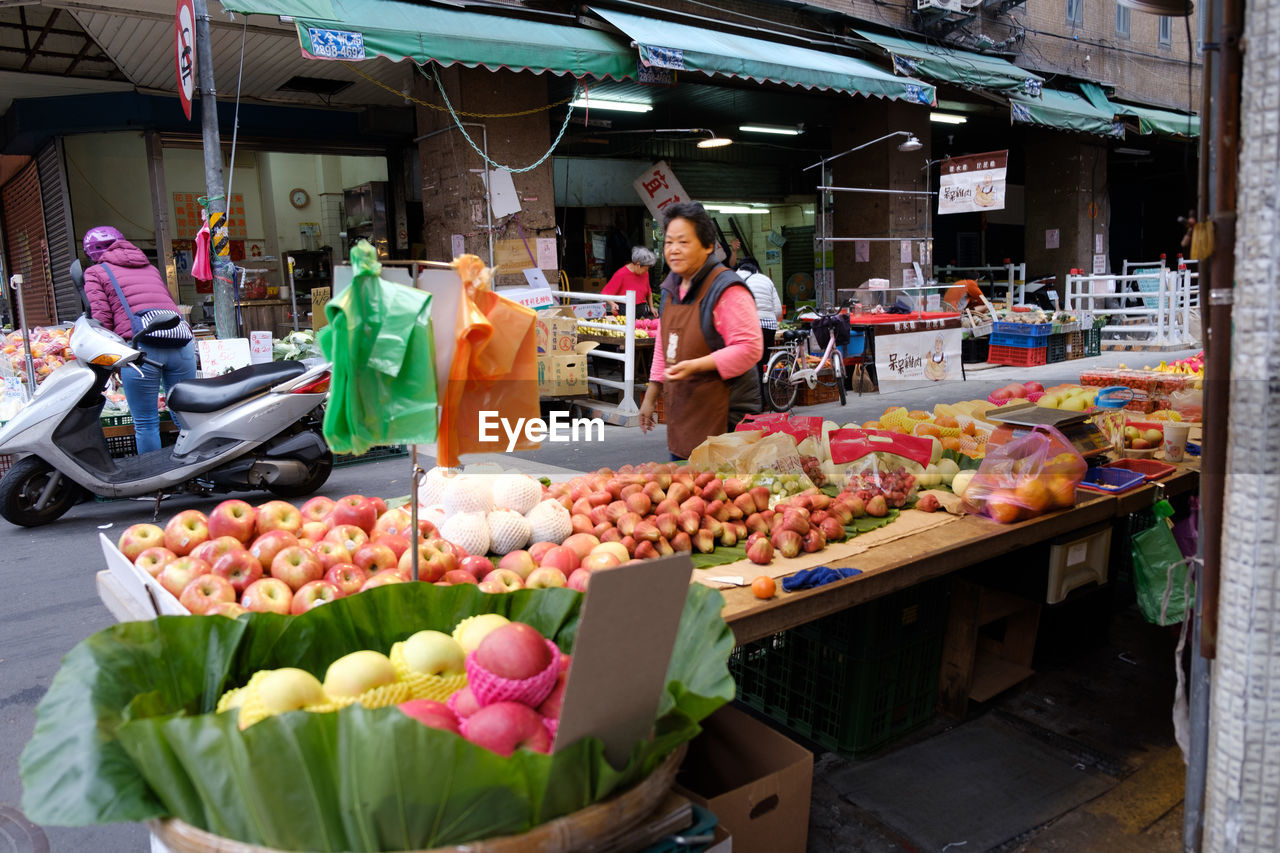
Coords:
680,47
1152,120
1065,111
355,30
960,67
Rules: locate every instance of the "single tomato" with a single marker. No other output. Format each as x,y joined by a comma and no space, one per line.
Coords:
764,587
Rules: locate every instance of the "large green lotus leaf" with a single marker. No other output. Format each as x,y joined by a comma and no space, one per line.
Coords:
124,733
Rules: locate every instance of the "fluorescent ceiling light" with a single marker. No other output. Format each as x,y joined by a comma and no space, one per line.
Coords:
1133,152
946,118
781,130
735,208
714,141
620,106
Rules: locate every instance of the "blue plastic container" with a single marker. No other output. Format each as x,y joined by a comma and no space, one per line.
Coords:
1111,480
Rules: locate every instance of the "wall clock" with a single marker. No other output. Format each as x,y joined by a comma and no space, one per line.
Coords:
299,198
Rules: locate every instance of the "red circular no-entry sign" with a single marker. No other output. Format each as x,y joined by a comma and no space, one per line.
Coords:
184,33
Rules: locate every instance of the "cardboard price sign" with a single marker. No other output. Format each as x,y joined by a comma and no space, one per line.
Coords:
223,356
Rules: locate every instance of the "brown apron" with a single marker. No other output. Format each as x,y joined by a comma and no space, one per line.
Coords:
699,406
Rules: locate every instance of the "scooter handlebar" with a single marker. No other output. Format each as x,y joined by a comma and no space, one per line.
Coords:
151,362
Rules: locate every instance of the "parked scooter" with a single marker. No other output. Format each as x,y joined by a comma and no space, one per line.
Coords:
258,427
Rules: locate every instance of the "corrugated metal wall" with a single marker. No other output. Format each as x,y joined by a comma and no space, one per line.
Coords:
59,237
25,245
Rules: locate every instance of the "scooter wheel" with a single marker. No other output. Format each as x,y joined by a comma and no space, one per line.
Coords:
25,483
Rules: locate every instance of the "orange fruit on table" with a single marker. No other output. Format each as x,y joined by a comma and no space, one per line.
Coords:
1001,507
1063,490
951,443
916,414
871,425
923,428
1033,493
764,587
969,428
946,421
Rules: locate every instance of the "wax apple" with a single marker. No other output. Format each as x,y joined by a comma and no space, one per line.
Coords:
239,567
506,579
179,572
185,531
316,509
519,562
267,595
349,536
347,577
313,594
234,518
545,577
278,515
434,653
204,591
271,543
354,509
330,554
296,566
430,713
152,560
211,549
138,538
504,727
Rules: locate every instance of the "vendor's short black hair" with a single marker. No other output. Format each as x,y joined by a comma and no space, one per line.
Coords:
748,265
697,216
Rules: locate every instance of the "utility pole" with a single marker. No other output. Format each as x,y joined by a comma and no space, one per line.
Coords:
224,310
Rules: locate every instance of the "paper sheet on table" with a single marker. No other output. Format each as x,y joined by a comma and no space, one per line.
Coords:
908,523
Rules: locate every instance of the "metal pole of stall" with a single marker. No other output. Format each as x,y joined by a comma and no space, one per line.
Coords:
415,479
293,295
15,283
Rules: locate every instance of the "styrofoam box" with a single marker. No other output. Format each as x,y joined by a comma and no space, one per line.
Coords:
1076,562
136,582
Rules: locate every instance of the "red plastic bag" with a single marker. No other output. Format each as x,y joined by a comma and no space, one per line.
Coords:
879,462
1027,477
800,428
766,421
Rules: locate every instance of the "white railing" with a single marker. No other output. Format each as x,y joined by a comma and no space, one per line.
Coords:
1012,277
627,405
1165,299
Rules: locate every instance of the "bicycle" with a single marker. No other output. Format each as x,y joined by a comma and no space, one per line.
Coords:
789,366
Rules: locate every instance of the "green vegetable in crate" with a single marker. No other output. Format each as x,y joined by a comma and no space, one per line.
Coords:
296,346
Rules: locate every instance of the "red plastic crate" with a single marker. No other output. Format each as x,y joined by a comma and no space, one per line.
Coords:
1017,356
6,462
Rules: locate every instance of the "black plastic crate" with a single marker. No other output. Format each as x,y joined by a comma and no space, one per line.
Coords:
974,350
854,681
1093,342
1057,349
122,445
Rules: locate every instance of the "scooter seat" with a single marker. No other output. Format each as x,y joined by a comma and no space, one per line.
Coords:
218,392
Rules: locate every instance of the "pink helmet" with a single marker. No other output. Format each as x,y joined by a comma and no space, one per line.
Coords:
98,240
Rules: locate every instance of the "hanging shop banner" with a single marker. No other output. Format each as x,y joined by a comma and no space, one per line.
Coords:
914,359
658,188
972,183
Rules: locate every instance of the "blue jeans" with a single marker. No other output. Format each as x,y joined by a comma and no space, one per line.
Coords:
142,391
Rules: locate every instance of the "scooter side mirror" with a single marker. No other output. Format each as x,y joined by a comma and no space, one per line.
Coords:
77,273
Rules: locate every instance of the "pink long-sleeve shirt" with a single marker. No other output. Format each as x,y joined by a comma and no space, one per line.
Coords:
737,321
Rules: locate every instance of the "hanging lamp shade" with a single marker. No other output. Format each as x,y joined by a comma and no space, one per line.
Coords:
1167,8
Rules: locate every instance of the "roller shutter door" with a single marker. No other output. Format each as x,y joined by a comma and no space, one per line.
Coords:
59,237
26,248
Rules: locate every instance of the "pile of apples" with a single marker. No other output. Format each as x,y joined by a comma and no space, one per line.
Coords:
1014,391
1139,438
50,349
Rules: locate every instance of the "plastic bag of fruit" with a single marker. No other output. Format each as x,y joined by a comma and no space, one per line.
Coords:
1026,477
775,463
873,462
721,451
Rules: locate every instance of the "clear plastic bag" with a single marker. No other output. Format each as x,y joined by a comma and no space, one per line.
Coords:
872,463
775,463
1026,477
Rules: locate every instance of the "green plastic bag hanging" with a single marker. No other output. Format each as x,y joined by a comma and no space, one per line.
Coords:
1160,572
380,343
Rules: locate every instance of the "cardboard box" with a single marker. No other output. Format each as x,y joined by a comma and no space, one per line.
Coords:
557,330
755,779
564,375
139,585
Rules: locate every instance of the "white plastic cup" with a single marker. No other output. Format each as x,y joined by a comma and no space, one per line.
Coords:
1175,440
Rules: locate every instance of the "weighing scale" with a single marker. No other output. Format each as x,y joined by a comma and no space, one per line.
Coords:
1018,420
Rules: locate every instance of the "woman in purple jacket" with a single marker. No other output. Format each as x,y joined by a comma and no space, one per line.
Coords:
144,289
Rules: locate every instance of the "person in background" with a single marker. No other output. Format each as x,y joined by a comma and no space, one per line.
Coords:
144,290
633,277
768,304
708,338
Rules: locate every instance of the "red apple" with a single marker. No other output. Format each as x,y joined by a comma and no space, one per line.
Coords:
233,518
138,538
537,549
433,563
278,515
520,562
266,546
430,713
508,580
354,509
453,548
347,577
383,578
313,594
478,566
464,703
458,576
379,505
313,530
581,543
550,706
211,549
179,572
316,508
504,727
397,542
267,595
204,591
392,522
349,536
514,650
599,560
561,557
545,577
239,567
330,553
185,531
230,609
152,560
373,557
578,580
296,566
